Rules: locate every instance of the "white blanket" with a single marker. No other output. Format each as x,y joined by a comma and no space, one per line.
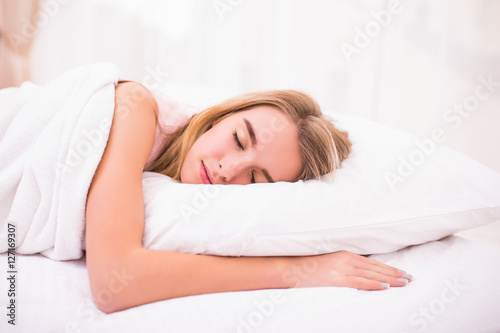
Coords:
52,139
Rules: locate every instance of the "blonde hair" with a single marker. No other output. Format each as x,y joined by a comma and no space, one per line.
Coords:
322,146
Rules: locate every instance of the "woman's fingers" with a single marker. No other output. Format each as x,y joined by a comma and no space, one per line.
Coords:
345,269
372,269
380,267
389,272
393,281
362,283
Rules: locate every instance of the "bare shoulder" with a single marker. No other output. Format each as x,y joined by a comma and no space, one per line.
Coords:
130,95
132,133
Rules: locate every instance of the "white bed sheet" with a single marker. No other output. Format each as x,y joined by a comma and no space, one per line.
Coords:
456,289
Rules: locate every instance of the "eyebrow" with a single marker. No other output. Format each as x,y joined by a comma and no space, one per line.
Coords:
253,138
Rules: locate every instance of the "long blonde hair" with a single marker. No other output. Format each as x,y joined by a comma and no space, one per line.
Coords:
322,146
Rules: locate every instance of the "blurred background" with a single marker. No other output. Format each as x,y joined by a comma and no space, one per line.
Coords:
414,65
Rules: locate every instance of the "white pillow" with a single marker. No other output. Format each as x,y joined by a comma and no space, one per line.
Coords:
366,209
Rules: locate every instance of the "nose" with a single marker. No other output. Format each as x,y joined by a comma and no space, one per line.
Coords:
233,170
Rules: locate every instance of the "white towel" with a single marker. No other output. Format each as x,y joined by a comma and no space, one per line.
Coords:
52,139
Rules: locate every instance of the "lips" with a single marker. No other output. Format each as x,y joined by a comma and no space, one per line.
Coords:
205,178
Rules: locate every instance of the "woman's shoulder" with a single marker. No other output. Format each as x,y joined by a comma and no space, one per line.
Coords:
131,94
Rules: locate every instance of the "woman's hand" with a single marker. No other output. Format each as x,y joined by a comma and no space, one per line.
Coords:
343,269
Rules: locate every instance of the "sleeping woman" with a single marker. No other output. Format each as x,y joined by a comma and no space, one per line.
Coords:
224,144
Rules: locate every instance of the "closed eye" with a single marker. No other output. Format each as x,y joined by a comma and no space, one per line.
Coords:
235,136
238,143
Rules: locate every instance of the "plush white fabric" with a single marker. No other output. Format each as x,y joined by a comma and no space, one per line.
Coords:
455,290
52,139
393,191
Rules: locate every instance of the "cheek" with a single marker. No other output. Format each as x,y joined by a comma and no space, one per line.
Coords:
211,143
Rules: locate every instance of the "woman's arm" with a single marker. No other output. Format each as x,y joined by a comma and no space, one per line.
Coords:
123,274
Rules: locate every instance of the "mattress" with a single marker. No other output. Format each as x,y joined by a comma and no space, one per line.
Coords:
455,289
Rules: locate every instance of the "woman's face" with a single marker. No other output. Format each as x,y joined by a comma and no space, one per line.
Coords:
269,150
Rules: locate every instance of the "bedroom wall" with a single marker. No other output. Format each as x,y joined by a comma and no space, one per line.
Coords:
414,65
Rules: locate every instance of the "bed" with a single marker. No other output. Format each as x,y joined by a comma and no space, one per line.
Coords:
411,224
455,290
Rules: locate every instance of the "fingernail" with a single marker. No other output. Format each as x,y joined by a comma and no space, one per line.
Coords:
405,281
405,275
385,285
